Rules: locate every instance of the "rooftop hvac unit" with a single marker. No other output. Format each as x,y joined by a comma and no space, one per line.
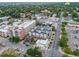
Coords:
45,35
41,35
37,34
29,33
33,33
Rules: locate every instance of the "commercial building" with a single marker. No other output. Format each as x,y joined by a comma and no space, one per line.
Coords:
40,16
48,19
4,18
73,26
25,15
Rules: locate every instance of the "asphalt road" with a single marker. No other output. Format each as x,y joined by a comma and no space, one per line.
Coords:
55,51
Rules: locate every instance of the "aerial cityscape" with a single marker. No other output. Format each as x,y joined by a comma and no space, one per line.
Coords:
39,29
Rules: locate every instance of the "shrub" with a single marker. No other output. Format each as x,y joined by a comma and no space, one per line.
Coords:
77,20
10,53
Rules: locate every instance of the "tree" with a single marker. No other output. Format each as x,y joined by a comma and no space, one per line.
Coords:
34,52
64,24
64,33
65,14
74,15
10,53
63,29
76,52
63,43
64,39
14,39
68,50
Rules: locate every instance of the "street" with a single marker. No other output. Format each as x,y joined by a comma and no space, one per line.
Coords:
55,50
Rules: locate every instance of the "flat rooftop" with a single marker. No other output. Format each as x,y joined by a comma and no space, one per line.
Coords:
6,17
73,23
26,23
42,42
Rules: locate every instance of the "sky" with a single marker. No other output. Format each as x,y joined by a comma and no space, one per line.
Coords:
39,0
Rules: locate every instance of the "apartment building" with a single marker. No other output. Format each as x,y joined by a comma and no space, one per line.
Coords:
18,28
4,29
22,29
41,32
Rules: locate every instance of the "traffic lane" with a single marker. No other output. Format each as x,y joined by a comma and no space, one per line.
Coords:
56,41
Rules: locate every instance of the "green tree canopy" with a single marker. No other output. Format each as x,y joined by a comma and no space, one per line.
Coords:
74,15
65,14
34,52
63,43
15,39
76,52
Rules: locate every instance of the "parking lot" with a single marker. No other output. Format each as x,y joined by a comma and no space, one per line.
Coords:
73,40
20,46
